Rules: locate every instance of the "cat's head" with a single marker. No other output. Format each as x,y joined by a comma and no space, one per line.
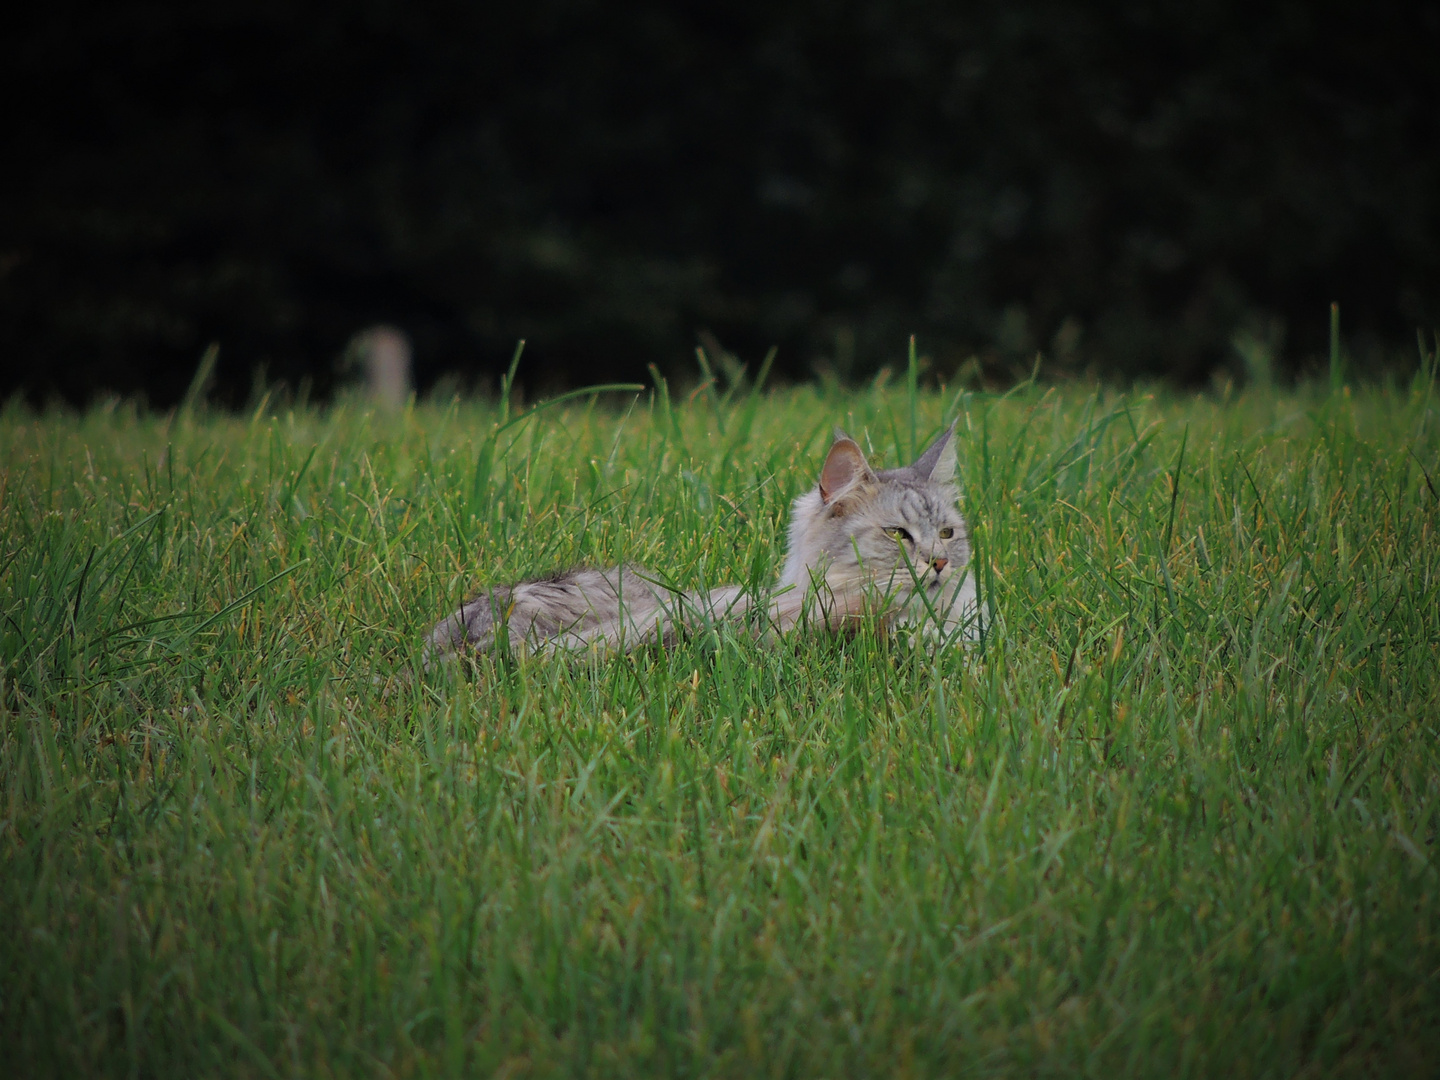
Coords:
897,530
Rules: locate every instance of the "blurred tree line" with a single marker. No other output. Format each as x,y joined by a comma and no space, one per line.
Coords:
1124,187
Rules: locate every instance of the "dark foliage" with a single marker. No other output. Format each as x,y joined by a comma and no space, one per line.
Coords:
1120,186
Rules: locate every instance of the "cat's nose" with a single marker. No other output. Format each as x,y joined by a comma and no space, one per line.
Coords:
939,564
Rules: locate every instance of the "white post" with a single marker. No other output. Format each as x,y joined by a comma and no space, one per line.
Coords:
385,352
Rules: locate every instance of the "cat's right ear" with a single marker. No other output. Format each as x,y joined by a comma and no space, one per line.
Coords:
844,467
937,464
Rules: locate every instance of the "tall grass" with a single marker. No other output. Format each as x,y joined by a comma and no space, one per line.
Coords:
1175,814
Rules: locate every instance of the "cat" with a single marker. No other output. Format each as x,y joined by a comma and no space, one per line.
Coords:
889,546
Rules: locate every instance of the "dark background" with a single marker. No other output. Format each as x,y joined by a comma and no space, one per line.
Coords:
1121,186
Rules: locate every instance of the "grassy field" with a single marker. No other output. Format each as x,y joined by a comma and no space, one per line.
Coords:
1175,815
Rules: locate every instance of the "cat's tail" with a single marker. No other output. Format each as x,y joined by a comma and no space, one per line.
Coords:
472,625
615,609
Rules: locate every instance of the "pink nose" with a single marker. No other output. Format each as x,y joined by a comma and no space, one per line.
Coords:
939,564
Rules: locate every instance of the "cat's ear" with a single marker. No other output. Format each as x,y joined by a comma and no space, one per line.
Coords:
844,466
937,464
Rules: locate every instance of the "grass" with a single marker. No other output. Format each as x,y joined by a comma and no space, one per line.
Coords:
1176,815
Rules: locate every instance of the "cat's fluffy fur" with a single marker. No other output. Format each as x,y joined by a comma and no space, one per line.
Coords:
864,544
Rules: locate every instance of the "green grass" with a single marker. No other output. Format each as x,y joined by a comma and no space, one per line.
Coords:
1175,816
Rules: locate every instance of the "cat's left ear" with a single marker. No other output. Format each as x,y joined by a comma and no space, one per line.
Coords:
845,466
937,464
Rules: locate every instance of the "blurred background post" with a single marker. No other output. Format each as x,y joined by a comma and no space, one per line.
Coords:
383,354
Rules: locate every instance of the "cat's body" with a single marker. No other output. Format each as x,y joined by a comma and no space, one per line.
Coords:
887,546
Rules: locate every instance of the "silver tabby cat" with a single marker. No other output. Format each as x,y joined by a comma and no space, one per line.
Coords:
865,544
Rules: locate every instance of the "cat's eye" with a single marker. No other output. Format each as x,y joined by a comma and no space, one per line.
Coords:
895,532
946,533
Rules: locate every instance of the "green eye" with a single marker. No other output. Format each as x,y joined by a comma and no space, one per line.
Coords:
895,532
946,533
